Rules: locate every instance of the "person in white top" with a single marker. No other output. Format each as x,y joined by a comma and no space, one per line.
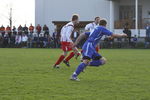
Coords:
91,26
67,43
66,32
24,40
18,39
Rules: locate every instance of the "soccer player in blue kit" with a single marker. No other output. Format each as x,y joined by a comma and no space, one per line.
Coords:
90,56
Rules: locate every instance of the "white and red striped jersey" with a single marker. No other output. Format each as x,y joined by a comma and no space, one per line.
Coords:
66,32
91,26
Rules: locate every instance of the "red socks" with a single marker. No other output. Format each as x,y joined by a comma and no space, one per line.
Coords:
70,56
61,58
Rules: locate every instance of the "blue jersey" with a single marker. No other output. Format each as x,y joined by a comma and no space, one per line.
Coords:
96,35
94,38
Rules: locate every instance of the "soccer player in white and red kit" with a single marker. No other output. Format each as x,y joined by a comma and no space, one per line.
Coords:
91,26
67,43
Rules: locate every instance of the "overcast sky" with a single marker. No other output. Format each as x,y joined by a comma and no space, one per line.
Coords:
23,12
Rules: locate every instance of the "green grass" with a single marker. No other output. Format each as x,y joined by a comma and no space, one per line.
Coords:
27,74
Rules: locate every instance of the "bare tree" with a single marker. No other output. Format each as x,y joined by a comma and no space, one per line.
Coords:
10,18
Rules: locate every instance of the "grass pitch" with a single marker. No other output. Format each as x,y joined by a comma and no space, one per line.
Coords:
27,74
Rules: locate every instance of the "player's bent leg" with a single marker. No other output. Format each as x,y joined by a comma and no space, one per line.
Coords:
77,52
66,61
71,55
80,69
95,63
98,63
61,58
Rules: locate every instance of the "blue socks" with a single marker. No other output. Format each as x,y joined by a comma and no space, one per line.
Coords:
95,63
79,69
83,65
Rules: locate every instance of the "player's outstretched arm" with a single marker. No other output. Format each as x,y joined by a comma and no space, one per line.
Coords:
118,35
81,37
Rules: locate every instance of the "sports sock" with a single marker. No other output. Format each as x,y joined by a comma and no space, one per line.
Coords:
78,54
70,56
79,69
61,58
95,63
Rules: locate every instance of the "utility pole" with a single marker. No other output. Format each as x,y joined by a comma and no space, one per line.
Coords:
136,17
10,17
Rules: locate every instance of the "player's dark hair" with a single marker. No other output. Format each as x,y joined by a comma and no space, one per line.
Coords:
75,17
103,22
96,18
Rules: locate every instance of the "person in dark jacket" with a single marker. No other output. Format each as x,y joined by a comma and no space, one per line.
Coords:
55,39
147,38
46,30
14,30
25,30
20,30
128,32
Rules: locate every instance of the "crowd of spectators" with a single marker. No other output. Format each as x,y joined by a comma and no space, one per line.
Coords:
27,37
40,37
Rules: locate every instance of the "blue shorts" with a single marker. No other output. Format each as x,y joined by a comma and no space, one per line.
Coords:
89,52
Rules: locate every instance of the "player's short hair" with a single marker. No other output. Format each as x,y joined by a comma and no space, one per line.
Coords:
103,22
97,17
75,17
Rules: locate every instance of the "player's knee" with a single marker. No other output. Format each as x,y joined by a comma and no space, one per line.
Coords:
65,54
103,60
86,61
75,51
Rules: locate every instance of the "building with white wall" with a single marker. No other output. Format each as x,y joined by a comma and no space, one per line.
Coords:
117,12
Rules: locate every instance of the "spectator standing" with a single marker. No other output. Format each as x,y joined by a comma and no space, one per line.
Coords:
147,30
20,29
128,32
147,38
50,41
46,30
30,41
25,30
55,39
8,30
31,29
14,30
2,30
1,40
12,40
38,29
30,36
41,39
6,41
